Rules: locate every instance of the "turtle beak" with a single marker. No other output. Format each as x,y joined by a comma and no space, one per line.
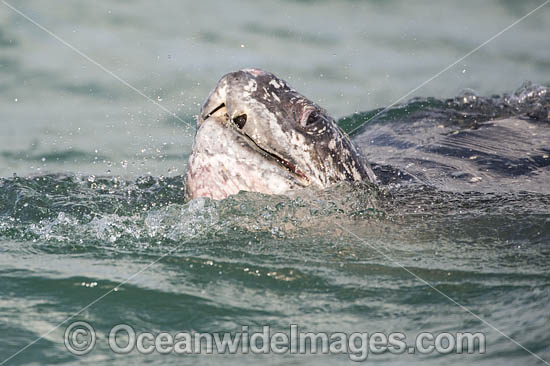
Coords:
215,103
207,115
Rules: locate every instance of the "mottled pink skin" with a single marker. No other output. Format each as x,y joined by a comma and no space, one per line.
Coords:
277,147
222,164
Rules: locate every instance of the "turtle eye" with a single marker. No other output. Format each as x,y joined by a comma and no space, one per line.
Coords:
312,118
240,121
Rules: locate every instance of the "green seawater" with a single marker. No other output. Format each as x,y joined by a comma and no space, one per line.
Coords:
92,196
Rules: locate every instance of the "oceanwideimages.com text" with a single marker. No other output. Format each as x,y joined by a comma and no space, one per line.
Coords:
80,339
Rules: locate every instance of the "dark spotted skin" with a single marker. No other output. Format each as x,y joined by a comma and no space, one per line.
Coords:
296,142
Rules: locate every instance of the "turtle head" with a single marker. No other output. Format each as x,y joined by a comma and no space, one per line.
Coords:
290,136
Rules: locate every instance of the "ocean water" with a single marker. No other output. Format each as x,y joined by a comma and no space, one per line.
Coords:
91,188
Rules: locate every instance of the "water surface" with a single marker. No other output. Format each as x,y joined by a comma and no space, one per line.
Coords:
98,192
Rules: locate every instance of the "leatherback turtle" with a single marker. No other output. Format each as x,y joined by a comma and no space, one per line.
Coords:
256,133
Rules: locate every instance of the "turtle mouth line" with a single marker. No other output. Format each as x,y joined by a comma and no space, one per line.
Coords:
285,164
282,162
